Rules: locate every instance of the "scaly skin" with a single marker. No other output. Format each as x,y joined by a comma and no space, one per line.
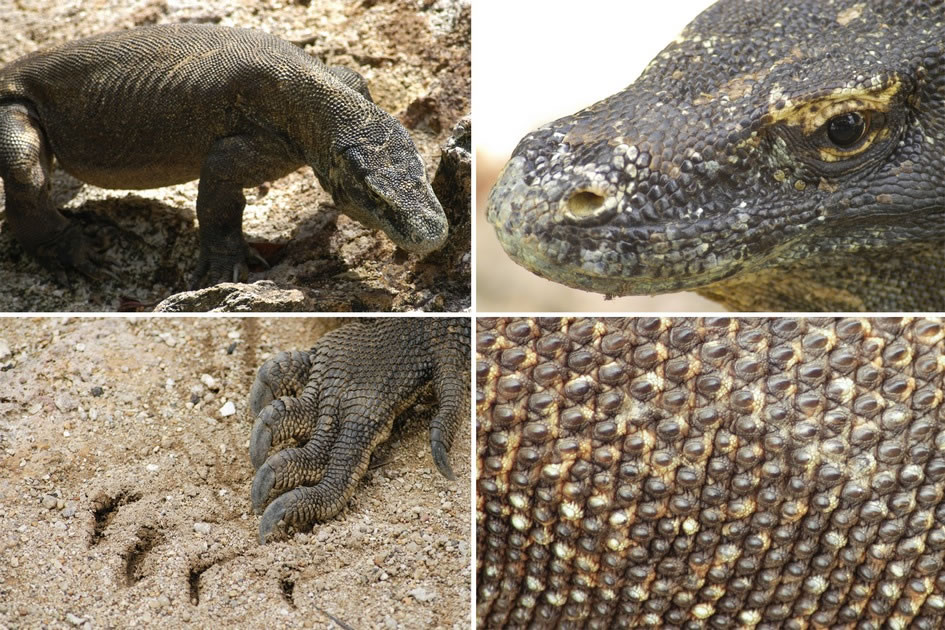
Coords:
163,105
339,400
711,473
731,166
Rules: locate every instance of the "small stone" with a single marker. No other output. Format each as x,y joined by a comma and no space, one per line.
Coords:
75,620
228,409
422,594
69,512
80,347
379,559
209,381
49,502
152,468
202,528
321,536
4,350
97,391
14,562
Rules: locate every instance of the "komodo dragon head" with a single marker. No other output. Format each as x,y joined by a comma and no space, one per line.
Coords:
776,154
377,177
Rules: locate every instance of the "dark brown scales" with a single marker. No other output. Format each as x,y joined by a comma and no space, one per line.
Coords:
689,473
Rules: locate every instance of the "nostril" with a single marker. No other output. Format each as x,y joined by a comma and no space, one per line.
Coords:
585,203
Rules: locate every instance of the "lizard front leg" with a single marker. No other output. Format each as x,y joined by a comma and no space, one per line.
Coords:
360,378
232,164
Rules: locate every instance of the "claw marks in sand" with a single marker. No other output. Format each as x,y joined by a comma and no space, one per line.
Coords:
104,508
147,539
197,570
338,401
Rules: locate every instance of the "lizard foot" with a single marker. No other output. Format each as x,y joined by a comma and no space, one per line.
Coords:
333,405
71,249
215,267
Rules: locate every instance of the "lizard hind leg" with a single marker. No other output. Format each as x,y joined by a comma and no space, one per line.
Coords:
25,167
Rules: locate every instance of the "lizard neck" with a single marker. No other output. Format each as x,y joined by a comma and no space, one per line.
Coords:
906,277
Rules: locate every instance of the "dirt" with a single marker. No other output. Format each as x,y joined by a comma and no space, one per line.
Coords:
124,491
416,59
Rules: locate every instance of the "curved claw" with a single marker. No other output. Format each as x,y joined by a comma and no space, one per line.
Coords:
256,257
261,439
442,462
275,513
260,394
209,273
263,482
240,272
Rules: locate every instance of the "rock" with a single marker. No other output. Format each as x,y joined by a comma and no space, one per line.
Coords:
261,296
202,528
453,182
96,391
228,409
209,381
4,350
152,468
49,502
75,620
423,594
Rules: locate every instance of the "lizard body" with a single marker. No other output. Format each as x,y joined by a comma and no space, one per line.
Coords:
162,105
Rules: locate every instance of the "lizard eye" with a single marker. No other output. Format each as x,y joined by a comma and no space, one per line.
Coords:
845,130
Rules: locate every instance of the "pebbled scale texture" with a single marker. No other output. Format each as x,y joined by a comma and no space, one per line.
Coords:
717,170
711,473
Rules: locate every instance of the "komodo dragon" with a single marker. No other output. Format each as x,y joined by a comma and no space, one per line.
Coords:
162,105
339,400
778,155
711,473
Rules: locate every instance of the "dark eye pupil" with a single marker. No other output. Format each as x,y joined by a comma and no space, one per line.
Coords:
844,130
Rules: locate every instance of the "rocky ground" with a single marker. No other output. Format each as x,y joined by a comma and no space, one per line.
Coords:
125,479
415,56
